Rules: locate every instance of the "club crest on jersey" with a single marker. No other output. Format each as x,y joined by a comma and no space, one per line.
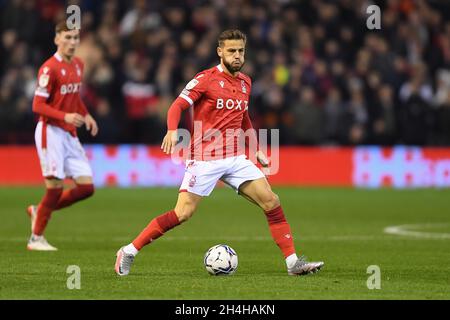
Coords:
43,80
191,84
221,83
244,88
63,72
78,70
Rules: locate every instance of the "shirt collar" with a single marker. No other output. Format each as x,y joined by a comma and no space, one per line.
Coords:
58,57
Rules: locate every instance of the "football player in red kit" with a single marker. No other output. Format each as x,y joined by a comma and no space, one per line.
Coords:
61,111
219,97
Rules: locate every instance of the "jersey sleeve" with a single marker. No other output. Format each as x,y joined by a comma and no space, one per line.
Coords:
45,84
195,88
174,113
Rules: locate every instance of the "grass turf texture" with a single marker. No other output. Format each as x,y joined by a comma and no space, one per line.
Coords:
343,227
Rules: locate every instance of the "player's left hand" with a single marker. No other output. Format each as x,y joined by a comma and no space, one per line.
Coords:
91,125
262,159
169,141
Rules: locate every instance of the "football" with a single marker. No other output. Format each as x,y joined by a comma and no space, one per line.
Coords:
220,260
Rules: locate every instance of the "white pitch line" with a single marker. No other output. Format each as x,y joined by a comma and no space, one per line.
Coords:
335,238
218,238
405,230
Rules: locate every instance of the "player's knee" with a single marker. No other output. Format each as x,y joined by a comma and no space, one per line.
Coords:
184,215
184,212
270,201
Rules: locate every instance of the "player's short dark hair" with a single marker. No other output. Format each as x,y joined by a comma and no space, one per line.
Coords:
62,26
231,34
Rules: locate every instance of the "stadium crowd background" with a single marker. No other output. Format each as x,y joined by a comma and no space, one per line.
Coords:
319,75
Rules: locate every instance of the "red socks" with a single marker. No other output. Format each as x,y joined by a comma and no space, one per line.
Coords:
56,199
70,196
45,208
281,231
279,228
156,228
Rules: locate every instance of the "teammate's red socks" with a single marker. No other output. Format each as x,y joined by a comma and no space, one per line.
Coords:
281,231
70,196
45,209
55,199
156,228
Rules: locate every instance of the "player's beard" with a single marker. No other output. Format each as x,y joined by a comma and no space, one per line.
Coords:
232,68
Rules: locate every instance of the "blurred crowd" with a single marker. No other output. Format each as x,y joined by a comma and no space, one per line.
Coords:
319,74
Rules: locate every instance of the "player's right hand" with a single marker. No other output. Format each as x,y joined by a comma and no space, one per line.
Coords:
74,118
169,141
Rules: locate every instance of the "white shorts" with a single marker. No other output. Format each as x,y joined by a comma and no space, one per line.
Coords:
63,156
201,177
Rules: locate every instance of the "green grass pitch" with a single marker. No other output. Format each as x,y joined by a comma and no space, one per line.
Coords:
343,227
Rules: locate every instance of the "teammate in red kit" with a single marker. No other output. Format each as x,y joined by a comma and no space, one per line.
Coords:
219,97
57,101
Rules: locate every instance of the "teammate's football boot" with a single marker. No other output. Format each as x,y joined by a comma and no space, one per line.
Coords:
39,243
32,213
123,262
303,267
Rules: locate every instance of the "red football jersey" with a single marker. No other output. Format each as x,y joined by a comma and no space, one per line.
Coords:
59,84
220,102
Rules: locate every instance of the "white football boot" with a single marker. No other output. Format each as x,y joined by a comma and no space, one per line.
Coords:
303,267
32,213
39,243
123,262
